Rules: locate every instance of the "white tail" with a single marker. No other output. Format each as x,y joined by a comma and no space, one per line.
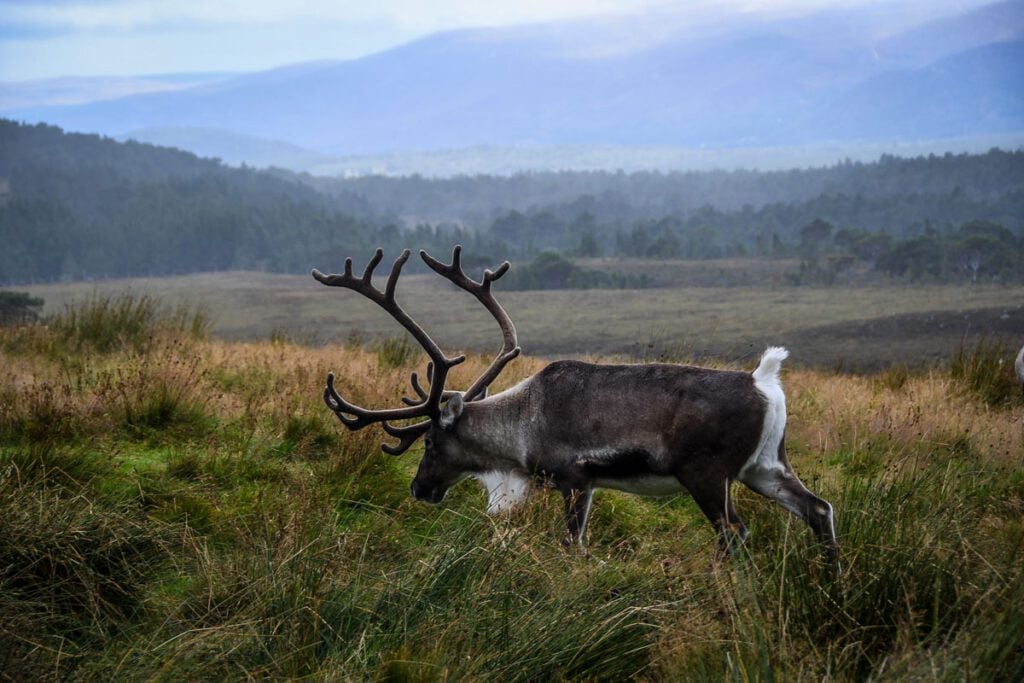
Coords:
770,365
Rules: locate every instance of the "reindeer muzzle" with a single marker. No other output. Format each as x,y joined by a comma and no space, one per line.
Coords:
429,494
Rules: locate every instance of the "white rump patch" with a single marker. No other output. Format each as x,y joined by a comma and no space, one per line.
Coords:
766,379
505,490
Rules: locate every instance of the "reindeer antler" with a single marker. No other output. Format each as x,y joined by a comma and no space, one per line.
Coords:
428,405
482,291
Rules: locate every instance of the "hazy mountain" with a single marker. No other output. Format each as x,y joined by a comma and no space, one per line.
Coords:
939,38
82,90
979,88
746,80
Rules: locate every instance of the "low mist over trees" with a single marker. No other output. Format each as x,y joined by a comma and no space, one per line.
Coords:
80,206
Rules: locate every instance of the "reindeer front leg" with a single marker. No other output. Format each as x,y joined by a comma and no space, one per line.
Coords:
577,511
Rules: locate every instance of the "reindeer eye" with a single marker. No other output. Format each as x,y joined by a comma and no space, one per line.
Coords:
428,442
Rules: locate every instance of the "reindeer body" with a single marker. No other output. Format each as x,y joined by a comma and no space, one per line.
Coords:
651,429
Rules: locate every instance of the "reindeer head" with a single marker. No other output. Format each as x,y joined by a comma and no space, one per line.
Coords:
445,462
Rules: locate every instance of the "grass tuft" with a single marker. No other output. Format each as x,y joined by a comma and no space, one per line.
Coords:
70,571
986,370
395,352
105,322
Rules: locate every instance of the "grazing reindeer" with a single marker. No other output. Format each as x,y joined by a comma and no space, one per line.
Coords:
652,429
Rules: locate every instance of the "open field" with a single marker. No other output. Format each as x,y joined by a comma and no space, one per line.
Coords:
861,328
175,508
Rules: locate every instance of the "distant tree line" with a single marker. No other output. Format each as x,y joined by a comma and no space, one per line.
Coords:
975,251
617,196
78,206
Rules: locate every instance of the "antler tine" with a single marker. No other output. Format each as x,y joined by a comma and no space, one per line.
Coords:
490,276
364,284
368,271
493,370
415,381
396,269
482,291
407,436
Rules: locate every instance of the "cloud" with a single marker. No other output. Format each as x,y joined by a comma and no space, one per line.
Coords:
406,14
106,37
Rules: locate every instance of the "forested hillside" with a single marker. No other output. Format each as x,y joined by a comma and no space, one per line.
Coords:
74,206
78,206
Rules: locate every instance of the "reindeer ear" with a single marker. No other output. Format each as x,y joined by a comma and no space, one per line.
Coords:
452,411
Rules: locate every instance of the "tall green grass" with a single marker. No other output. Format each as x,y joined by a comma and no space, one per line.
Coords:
103,322
314,601
395,352
986,370
73,569
925,592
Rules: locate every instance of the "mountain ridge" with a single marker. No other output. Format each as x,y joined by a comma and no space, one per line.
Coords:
758,82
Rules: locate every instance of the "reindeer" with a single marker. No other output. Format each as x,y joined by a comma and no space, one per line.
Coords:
651,429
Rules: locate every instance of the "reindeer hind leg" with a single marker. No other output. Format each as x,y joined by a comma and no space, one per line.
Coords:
714,498
781,484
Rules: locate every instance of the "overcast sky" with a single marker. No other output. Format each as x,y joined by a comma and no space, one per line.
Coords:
52,38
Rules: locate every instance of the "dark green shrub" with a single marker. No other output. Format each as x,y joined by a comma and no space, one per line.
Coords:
19,308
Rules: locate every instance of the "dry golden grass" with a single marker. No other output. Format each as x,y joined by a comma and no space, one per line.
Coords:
929,415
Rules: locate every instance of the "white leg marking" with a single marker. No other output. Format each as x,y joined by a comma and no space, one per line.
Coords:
588,498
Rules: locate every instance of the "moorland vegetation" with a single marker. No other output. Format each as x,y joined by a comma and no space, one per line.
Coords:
179,507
